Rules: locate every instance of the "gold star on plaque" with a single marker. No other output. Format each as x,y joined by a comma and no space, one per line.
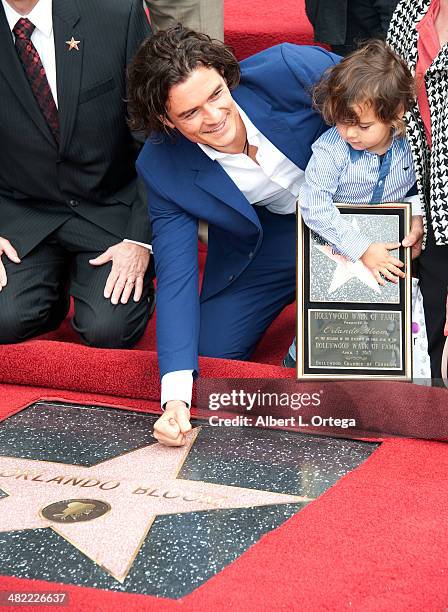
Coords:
125,494
72,44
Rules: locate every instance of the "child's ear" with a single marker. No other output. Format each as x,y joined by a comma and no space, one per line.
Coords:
399,126
400,111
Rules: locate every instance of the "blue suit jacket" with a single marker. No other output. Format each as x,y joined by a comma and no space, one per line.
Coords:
185,185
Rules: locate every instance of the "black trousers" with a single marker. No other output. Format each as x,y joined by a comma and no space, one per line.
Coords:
365,19
433,271
36,297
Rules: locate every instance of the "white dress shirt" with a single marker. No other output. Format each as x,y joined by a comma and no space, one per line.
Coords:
274,181
42,38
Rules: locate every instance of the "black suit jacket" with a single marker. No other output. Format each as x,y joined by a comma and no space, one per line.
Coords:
92,172
329,17
329,20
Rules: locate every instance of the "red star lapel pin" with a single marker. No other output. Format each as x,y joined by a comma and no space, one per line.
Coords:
72,44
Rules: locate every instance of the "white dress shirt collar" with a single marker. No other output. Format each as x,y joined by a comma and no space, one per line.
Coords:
252,133
41,16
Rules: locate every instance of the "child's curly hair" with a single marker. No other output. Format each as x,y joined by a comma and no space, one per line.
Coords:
373,75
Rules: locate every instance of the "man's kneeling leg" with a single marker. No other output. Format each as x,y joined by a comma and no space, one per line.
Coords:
35,298
99,322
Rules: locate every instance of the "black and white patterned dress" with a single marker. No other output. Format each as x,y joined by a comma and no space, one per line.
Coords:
431,166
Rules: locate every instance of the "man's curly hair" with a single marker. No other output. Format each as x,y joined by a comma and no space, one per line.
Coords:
166,59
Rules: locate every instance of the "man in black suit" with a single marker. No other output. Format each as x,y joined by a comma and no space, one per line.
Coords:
345,23
72,220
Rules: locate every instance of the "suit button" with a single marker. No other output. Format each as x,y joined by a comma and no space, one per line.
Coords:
231,277
251,254
74,203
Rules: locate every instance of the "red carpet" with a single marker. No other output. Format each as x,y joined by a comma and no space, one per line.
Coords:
253,26
375,541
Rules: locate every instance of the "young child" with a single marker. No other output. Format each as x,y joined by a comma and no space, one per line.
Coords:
364,158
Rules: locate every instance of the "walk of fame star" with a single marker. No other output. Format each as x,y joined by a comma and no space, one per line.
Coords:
72,44
107,510
346,269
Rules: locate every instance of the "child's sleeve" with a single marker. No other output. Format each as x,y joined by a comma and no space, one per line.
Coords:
322,176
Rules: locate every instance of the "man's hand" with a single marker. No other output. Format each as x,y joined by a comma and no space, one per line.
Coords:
381,263
415,236
7,249
129,263
174,423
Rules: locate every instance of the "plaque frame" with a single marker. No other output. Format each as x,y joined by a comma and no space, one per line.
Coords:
307,370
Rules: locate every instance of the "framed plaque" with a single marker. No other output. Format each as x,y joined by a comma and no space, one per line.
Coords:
349,326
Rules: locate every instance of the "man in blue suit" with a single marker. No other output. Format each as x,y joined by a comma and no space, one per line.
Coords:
230,148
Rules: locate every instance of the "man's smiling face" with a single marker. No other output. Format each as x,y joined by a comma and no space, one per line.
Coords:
202,109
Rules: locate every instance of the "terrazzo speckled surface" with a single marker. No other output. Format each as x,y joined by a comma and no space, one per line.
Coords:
224,475
336,279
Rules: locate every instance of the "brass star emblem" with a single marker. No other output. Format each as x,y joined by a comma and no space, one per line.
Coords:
72,44
107,510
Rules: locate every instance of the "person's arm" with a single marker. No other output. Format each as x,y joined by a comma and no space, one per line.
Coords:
177,386
415,237
377,258
175,248
176,261
138,29
322,177
307,65
138,229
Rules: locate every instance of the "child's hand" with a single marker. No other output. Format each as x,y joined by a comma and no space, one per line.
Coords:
382,265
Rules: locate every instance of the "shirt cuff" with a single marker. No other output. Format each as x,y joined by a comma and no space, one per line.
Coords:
177,385
357,247
143,244
416,204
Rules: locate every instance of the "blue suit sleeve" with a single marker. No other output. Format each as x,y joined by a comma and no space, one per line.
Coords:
175,247
308,63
